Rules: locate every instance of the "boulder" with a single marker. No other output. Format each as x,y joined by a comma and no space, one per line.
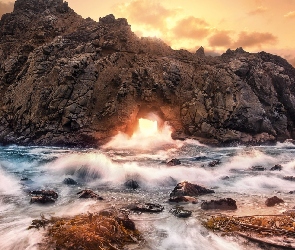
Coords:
42,199
183,199
270,202
221,204
173,162
49,193
289,178
132,184
121,218
214,163
180,212
188,189
276,167
88,193
43,196
146,207
69,181
257,168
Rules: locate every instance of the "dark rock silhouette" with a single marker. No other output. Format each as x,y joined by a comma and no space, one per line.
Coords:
214,163
289,178
277,167
180,212
132,184
258,168
43,196
69,181
270,202
183,199
88,193
65,80
173,162
146,207
188,189
222,204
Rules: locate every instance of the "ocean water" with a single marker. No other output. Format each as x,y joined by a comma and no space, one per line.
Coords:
142,158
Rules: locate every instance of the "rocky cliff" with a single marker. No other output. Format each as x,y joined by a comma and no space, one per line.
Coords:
65,80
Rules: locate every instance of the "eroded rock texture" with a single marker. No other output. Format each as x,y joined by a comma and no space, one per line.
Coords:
65,80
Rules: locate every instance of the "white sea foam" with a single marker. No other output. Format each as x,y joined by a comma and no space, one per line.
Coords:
189,234
144,142
8,184
15,235
112,166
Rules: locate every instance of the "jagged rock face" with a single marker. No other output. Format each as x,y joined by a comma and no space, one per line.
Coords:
69,80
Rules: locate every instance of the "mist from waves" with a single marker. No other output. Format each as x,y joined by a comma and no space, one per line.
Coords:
105,171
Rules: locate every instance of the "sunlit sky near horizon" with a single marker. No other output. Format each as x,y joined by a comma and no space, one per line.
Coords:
216,25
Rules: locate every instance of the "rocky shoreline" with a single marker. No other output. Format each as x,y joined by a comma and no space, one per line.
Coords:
65,80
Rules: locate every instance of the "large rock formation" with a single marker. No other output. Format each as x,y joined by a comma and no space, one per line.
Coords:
69,80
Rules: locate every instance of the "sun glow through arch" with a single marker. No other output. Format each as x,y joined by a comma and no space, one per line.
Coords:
146,136
147,127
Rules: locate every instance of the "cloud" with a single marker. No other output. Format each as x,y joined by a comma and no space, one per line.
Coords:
6,7
148,13
191,28
257,11
255,39
220,39
291,14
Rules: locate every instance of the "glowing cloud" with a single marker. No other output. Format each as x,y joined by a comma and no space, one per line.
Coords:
5,7
254,39
191,28
258,10
220,39
291,14
148,14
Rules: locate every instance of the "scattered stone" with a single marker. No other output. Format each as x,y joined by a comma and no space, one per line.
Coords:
222,204
183,199
131,184
49,193
292,192
42,199
289,178
173,162
180,212
225,178
276,167
188,189
69,181
270,202
214,163
43,196
146,208
121,218
88,193
257,168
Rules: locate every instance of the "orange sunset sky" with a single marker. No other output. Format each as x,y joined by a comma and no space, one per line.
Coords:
216,25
